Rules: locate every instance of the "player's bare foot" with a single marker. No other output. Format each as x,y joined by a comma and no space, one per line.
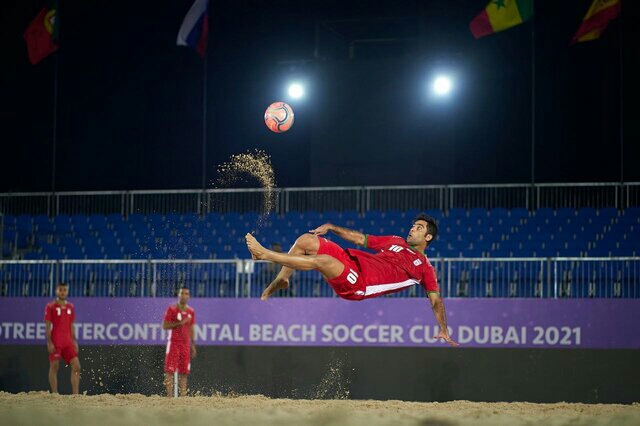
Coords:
276,284
258,252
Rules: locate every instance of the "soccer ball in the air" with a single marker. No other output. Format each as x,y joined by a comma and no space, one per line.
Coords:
278,117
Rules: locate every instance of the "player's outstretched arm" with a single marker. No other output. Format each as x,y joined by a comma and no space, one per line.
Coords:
437,305
350,235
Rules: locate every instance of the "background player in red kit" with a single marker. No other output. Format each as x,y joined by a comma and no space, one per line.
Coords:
179,319
355,274
61,338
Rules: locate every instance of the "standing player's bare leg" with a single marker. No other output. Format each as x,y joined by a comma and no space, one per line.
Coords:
182,384
75,376
325,264
53,375
168,384
305,245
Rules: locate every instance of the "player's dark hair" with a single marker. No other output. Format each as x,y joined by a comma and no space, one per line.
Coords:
432,225
63,285
182,287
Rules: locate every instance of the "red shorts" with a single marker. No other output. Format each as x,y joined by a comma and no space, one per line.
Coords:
67,352
350,283
177,358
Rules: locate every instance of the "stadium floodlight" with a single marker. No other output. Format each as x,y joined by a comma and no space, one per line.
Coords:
296,90
442,85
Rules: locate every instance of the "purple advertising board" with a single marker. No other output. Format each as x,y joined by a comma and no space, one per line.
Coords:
492,323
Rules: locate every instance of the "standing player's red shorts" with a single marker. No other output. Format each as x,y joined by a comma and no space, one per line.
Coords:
350,284
67,353
177,358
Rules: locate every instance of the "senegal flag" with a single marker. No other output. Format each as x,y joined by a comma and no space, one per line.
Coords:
596,20
500,15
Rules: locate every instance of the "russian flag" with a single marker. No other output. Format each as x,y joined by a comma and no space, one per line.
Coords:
195,27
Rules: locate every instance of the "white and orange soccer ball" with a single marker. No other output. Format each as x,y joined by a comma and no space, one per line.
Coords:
278,117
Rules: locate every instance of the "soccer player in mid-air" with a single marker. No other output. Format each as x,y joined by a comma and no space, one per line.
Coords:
355,274
61,338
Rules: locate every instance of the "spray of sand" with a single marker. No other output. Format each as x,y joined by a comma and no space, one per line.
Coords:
334,383
256,164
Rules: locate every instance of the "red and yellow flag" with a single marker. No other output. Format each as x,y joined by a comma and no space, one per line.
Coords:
39,35
596,20
500,15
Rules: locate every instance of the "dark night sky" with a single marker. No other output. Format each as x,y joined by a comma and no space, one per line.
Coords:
130,100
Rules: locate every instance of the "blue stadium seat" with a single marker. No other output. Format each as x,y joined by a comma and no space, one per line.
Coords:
463,233
478,213
519,213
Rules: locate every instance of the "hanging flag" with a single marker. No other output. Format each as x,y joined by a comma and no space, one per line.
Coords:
500,15
195,27
596,20
40,34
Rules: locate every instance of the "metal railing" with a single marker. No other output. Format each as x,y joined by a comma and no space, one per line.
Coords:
405,197
506,196
480,277
542,277
360,199
121,278
581,195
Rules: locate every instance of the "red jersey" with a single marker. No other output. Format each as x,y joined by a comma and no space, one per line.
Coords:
182,333
61,318
395,266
